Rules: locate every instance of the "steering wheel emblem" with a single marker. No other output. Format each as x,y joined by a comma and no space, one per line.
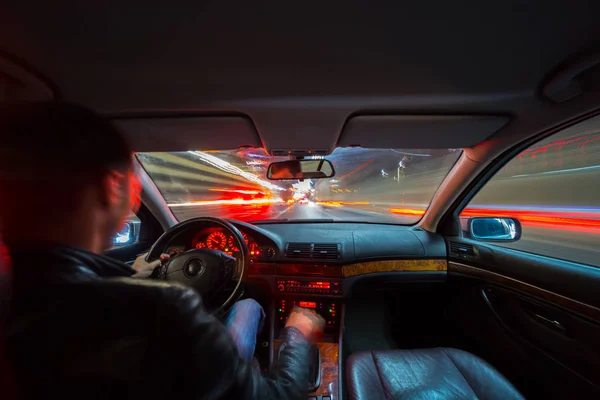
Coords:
194,267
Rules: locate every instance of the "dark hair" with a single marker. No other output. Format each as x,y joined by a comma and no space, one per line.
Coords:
294,168
39,139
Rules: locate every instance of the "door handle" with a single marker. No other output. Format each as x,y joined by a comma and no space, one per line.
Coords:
549,321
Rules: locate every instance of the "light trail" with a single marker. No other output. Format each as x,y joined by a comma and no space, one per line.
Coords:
226,202
575,220
343,203
236,191
226,166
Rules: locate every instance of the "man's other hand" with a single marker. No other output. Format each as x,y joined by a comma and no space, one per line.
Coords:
143,269
306,321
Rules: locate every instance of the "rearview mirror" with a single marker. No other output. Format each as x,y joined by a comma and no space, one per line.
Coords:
300,169
495,229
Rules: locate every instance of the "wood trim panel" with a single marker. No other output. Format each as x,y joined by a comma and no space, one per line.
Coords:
329,369
372,267
557,299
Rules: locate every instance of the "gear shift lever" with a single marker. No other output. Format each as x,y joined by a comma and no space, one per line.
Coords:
314,366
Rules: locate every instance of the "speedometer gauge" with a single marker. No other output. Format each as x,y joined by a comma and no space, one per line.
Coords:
216,241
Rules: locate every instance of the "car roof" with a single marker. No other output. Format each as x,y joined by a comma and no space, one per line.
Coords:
289,74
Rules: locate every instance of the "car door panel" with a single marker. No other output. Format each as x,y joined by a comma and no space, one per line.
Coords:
534,317
567,338
573,281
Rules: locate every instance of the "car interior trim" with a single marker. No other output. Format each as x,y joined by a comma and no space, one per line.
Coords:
531,344
340,355
191,132
372,267
153,199
563,85
29,79
419,131
455,268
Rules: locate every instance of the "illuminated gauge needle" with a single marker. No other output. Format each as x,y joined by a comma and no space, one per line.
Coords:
216,241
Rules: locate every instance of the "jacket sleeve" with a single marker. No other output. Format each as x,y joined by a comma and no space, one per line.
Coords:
207,364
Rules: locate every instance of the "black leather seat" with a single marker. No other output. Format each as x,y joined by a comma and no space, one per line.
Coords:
440,373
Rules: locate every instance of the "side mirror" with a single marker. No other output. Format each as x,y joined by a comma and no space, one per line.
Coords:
495,229
128,235
300,169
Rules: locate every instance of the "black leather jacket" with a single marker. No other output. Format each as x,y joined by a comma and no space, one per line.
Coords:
79,326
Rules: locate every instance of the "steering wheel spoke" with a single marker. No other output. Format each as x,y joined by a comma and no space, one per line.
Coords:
229,265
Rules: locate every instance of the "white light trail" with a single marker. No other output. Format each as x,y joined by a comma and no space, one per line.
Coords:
232,169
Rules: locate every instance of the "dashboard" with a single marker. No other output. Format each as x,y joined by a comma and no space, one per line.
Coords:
285,244
316,261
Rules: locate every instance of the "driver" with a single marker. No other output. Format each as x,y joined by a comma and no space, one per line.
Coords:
78,325
287,170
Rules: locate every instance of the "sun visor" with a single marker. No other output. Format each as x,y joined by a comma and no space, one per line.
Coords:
189,133
419,131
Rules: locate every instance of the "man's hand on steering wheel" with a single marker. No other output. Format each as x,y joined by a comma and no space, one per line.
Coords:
143,268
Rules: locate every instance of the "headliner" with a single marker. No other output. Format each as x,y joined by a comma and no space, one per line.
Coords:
300,72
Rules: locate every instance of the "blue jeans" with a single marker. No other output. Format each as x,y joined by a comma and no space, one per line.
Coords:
244,321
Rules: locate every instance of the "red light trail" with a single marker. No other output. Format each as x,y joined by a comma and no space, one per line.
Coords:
579,221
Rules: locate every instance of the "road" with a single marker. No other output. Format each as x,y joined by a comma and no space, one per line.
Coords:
290,211
563,242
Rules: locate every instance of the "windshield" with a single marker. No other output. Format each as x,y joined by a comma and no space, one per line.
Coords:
370,185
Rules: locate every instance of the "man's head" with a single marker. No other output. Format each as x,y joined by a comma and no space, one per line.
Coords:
66,175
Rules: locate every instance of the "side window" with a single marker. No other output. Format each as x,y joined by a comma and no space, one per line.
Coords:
129,234
553,189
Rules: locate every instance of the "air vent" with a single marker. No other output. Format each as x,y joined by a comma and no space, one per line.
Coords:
461,248
315,251
298,250
326,251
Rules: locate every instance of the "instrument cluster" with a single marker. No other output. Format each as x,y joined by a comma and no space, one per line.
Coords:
218,239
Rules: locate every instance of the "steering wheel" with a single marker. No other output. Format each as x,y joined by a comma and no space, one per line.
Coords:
206,270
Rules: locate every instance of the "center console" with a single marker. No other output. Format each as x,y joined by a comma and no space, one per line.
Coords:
309,286
323,295
327,308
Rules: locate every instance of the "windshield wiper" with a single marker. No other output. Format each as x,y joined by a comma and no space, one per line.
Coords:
285,220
